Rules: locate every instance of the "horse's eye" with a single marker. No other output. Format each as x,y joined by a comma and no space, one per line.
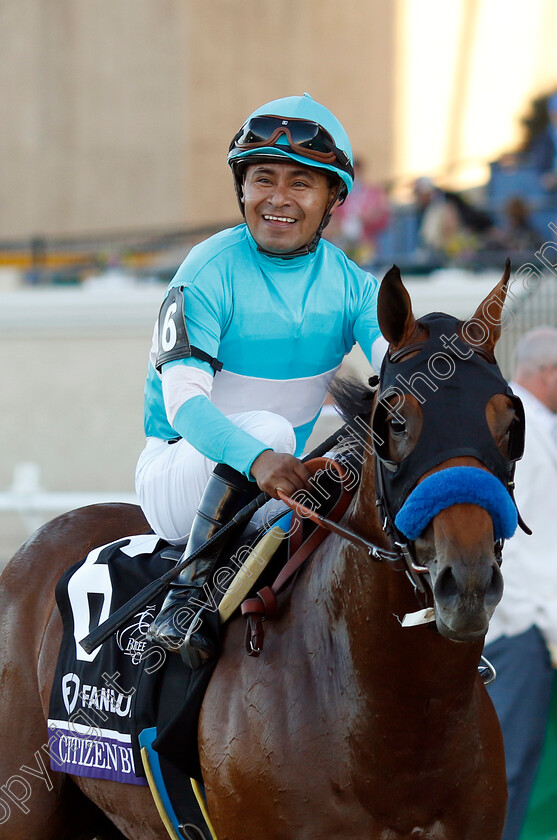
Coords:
397,427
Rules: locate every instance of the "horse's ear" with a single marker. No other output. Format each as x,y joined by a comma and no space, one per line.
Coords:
394,308
484,328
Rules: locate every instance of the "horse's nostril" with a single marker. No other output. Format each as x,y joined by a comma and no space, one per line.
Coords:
494,589
446,586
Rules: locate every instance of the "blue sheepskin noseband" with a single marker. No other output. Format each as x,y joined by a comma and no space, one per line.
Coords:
457,485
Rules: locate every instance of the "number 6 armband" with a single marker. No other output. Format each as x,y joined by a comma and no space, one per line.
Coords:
173,335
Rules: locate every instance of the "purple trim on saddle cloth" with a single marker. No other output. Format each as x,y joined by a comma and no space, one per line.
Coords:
92,752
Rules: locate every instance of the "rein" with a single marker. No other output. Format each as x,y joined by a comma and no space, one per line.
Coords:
375,551
401,559
264,604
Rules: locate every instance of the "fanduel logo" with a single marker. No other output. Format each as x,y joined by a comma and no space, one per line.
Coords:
70,691
92,697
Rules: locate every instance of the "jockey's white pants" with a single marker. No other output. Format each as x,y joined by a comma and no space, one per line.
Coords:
170,477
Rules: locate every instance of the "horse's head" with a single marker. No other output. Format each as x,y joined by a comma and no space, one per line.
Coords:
447,431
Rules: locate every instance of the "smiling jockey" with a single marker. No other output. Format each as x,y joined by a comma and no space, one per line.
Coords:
253,328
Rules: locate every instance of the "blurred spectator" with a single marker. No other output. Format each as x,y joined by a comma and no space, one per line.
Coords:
517,233
448,226
356,223
540,147
522,636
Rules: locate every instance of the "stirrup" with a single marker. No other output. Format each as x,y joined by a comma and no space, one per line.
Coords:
191,655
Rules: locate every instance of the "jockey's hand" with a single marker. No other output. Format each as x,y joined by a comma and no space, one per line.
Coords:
274,470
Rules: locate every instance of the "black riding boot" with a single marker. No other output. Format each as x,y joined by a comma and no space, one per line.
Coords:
227,491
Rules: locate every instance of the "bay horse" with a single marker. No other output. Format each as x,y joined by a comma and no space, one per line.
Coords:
349,725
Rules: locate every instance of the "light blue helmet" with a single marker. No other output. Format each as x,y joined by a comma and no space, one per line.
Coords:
300,129
290,135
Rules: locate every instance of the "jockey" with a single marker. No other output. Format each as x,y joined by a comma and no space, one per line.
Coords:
252,330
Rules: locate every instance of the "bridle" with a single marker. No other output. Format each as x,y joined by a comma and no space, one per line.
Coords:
402,555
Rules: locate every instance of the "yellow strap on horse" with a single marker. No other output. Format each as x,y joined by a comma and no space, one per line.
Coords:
202,806
248,573
157,797
167,822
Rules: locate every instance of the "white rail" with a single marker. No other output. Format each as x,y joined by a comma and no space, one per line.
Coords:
27,498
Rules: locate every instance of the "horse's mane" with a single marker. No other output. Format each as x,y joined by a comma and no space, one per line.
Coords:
353,399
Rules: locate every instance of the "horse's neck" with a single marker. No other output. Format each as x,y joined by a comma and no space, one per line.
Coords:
367,600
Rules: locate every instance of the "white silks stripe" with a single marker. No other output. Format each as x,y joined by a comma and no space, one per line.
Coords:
298,400
378,350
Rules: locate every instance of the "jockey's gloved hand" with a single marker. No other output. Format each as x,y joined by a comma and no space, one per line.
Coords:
273,470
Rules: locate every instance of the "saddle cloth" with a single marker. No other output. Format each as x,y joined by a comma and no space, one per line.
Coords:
94,697
102,703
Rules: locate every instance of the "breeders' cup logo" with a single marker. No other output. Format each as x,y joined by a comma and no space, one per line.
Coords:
70,691
132,639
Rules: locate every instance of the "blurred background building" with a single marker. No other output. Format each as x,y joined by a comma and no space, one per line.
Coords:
117,115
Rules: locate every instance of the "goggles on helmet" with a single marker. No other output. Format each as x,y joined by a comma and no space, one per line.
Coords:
305,137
